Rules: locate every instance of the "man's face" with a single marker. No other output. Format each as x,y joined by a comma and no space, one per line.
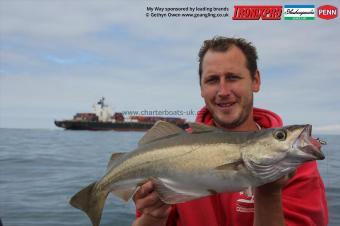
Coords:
227,88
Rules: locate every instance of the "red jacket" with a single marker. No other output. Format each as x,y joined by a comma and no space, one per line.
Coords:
303,198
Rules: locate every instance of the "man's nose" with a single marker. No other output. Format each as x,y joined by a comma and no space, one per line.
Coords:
223,89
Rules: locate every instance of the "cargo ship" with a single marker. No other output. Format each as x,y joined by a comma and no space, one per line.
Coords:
102,118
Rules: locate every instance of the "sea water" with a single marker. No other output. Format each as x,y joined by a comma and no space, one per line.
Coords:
41,169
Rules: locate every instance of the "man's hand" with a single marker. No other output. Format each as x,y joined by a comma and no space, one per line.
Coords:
154,211
268,203
275,186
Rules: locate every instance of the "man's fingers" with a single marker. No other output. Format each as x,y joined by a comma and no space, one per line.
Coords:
148,201
160,212
156,205
144,190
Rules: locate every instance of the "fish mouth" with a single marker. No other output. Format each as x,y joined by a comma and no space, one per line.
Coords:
311,147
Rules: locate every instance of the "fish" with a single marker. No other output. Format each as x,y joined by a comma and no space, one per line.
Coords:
207,160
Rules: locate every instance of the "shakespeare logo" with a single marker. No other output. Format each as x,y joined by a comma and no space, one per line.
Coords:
299,12
327,12
257,12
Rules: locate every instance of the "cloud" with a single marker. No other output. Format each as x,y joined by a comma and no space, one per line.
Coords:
57,19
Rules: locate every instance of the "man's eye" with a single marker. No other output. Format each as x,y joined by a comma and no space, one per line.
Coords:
233,78
211,80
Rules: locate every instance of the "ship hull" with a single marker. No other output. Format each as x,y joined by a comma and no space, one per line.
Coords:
102,126
119,126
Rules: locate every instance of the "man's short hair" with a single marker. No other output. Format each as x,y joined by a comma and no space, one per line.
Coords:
222,44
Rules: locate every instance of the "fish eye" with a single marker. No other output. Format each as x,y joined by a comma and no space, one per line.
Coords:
280,135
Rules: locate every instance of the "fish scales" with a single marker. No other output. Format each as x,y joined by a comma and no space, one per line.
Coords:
192,154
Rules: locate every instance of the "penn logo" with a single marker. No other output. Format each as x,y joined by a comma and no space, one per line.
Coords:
327,12
257,12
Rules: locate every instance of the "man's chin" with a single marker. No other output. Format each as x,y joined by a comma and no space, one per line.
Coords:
226,122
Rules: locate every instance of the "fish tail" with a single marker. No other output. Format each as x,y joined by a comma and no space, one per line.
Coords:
91,202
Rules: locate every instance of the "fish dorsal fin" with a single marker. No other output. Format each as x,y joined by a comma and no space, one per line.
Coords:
160,130
114,157
201,128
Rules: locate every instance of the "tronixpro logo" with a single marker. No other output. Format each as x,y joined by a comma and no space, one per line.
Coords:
327,12
257,12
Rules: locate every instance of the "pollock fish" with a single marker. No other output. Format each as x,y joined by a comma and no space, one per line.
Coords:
185,166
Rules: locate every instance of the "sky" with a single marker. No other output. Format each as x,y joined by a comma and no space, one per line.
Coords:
58,58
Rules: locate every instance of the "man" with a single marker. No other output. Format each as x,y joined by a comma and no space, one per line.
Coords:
228,78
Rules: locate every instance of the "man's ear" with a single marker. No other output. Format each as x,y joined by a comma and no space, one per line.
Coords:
256,84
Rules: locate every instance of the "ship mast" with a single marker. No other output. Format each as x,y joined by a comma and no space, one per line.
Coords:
102,110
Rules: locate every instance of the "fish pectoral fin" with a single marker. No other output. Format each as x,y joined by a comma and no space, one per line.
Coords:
160,130
202,128
169,195
114,157
125,194
234,166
